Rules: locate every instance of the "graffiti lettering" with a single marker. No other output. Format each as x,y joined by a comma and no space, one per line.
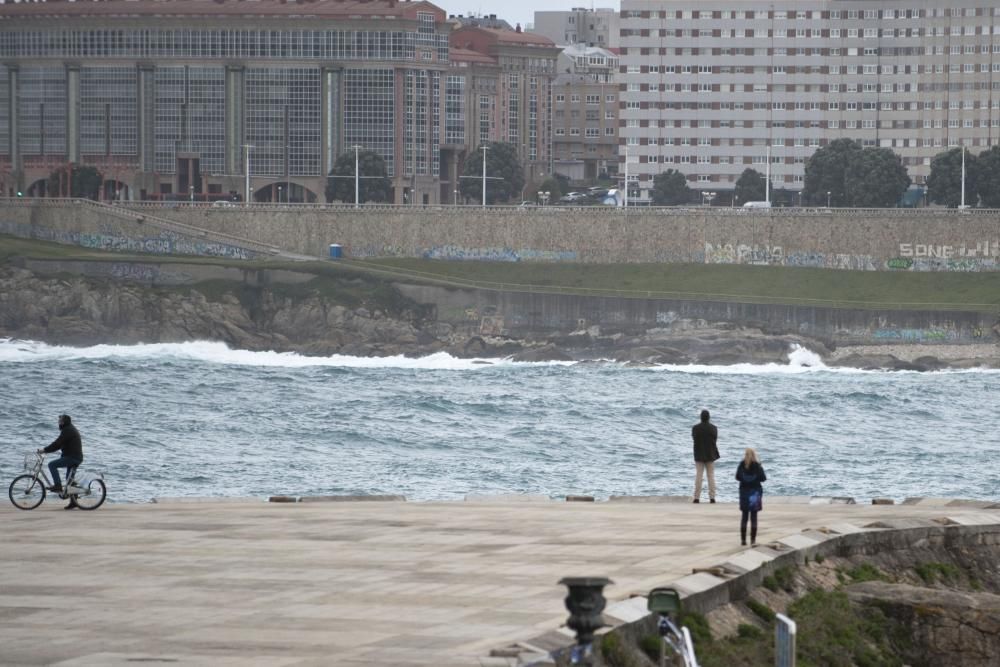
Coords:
899,263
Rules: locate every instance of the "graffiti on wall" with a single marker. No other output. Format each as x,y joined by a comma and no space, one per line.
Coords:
459,253
742,253
967,257
166,243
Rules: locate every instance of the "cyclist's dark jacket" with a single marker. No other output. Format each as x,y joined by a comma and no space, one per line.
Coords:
68,441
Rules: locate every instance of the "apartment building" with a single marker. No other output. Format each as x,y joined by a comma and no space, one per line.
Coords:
524,66
712,88
593,27
585,113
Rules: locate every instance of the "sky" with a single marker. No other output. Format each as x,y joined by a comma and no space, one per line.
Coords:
517,11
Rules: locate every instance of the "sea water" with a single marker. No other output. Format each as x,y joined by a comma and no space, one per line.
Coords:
200,419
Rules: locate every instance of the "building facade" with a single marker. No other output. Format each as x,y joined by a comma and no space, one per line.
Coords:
171,98
522,109
593,27
585,113
712,88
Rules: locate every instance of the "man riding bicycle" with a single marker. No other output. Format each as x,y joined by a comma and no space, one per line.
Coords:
72,454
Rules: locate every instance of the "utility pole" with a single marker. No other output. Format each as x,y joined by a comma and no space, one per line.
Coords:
626,176
767,177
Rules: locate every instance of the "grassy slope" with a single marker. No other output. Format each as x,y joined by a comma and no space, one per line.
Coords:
764,284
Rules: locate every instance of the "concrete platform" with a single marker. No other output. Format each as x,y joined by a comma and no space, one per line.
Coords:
350,584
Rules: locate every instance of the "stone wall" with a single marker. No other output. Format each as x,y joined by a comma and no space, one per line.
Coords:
888,239
891,239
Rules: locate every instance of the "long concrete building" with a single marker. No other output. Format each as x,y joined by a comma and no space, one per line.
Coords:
712,88
183,99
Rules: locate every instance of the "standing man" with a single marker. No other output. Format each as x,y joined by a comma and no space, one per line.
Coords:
72,454
706,453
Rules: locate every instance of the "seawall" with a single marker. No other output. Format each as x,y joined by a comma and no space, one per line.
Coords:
859,239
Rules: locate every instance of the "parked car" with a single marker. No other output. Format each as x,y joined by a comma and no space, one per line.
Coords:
573,197
223,203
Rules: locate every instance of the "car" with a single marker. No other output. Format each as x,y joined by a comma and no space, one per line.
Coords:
573,197
757,204
223,203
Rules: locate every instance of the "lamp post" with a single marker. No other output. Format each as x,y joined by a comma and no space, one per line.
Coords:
625,201
707,197
800,198
246,171
191,190
828,199
454,194
279,194
485,148
357,176
545,197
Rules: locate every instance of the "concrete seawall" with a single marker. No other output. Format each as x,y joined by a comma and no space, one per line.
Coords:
874,240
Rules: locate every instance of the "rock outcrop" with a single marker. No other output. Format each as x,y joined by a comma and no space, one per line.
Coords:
360,316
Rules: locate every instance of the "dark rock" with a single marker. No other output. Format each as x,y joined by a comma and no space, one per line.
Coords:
546,353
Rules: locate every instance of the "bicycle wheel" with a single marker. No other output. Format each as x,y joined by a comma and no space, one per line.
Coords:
26,492
93,496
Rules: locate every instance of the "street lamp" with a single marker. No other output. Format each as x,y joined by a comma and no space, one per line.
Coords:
279,194
800,198
191,189
454,201
828,199
545,197
485,148
246,194
357,175
707,196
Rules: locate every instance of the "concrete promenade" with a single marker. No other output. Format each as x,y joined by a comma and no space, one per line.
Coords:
351,583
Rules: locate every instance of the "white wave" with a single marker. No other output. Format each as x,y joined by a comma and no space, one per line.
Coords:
20,351
800,359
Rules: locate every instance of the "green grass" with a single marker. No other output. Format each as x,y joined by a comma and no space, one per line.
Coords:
763,284
752,284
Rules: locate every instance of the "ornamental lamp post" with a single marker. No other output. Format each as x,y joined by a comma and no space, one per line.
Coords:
828,199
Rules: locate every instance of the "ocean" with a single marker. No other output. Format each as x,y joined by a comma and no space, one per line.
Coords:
199,419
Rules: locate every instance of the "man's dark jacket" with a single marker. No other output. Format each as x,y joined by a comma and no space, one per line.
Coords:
705,434
68,441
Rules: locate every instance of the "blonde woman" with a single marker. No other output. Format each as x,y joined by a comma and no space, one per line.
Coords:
750,474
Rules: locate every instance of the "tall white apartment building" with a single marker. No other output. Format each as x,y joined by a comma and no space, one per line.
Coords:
712,87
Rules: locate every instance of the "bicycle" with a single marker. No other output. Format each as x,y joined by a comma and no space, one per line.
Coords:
667,603
27,491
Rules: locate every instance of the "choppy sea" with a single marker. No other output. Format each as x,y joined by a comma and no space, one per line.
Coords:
199,419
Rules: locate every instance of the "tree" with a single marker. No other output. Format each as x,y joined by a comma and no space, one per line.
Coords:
670,188
553,186
876,178
826,171
85,182
987,175
374,185
749,187
944,183
505,176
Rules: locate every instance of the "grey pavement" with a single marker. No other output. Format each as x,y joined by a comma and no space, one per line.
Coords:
351,584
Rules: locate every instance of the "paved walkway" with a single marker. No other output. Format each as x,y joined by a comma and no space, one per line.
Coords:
350,584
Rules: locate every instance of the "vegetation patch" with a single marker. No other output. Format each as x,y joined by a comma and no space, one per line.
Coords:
931,573
866,572
765,613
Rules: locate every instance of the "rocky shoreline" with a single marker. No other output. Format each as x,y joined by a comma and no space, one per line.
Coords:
353,317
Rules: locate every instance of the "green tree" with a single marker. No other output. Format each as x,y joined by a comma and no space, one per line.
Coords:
987,177
670,188
749,187
945,180
876,178
373,186
553,186
826,171
85,182
505,176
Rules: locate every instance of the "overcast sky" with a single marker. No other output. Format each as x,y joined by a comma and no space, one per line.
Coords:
516,11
